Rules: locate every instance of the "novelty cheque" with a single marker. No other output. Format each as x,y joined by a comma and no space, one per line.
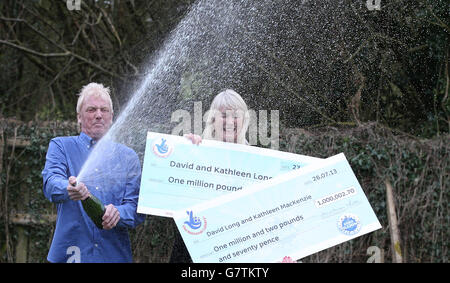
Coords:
282,219
177,174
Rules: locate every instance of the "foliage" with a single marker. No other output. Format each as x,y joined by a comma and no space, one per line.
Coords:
338,61
417,168
405,62
21,182
49,52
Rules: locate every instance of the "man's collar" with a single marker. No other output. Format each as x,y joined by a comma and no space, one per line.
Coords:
87,139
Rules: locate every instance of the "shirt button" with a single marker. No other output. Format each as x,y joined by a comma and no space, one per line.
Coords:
96,188
96,245
96,170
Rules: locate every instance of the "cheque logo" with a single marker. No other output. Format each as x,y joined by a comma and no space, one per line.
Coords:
194,225
163,148
349,224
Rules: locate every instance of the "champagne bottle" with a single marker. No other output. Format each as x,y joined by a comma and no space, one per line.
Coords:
94,209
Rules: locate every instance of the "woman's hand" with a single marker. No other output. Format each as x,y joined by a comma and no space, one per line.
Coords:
195,139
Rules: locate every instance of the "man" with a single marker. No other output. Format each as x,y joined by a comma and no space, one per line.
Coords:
114,181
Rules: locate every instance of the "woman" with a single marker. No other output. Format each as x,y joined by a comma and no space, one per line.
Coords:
227,121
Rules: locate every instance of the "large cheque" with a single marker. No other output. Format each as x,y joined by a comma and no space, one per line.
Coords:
290,216
178,174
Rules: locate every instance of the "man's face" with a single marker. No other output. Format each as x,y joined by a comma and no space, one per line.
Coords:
95,117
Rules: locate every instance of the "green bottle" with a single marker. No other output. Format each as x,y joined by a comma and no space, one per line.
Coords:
94,209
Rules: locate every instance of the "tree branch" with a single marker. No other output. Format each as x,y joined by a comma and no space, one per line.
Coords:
37,53
67,53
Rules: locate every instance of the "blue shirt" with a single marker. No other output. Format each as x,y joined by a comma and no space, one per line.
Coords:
113,177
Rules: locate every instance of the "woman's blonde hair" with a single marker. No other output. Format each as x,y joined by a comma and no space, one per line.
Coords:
227,99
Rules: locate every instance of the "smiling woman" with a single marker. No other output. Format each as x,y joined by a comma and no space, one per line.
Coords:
228,118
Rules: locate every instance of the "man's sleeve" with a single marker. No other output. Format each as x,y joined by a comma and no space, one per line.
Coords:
55,173
129,217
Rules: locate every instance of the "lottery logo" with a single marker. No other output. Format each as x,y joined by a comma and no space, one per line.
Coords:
162,148
349,224
194,225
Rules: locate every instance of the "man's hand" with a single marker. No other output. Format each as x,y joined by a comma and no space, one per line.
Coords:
111,217
77,191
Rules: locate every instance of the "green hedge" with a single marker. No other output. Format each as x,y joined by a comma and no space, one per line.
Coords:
417,169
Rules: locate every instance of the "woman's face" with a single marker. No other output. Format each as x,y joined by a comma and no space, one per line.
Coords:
228,124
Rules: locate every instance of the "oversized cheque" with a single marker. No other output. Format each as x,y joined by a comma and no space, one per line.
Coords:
290,216
178,174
